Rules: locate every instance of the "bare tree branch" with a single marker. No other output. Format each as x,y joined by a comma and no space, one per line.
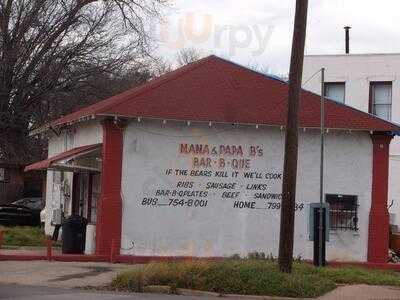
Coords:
187,56
55,53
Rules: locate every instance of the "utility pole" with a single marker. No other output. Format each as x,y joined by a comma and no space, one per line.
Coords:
321,228
291,142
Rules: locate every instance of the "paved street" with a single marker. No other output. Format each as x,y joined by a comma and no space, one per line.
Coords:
22,292
25,292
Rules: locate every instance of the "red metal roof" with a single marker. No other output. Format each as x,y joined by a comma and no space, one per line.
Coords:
47,163
214,89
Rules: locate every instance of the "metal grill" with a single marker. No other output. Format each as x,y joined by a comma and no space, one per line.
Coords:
343,212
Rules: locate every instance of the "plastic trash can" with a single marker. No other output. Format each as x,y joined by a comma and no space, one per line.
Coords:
73,235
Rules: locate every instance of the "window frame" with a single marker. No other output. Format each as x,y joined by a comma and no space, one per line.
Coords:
335,216
341,83
371,106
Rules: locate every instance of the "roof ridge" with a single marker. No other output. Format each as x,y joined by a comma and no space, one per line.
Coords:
266,76
143,88
156,82
167,77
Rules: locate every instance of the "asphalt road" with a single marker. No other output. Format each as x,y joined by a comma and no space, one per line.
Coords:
22,292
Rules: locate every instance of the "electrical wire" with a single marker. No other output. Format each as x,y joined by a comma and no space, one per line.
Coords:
311,77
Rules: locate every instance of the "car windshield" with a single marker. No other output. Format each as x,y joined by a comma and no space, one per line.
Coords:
32,203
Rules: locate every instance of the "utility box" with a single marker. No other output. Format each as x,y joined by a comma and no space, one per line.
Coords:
316,225
313,212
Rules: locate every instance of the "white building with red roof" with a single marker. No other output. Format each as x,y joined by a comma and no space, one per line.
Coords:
190,164
368,82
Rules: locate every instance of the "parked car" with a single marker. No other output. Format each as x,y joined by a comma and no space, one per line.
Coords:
24,212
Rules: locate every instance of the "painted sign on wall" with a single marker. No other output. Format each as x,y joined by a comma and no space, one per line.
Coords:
201,191
225,173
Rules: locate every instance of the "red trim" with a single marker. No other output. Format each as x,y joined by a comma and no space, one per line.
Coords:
378,237
109,216
45,164
133,259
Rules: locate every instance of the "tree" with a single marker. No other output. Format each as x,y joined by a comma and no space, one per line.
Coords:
188,55
291,142
50,48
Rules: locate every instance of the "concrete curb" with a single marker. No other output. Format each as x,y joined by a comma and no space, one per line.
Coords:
162,289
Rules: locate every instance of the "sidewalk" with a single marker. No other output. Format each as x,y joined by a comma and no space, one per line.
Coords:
59,274
79,274
25,251
362,291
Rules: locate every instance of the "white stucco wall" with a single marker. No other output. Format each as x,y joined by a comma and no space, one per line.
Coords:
357,71
84,134
151,150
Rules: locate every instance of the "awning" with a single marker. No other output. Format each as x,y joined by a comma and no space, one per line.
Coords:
65,160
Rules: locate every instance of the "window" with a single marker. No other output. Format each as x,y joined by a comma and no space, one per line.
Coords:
381,99
335,91
342,212
2,174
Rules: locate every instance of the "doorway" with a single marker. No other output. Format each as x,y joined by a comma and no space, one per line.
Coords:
86,191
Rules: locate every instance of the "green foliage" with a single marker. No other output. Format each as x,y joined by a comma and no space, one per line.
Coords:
23,236
251,276
353,275
232,276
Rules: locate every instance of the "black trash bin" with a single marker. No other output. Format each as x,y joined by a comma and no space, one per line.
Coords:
73,235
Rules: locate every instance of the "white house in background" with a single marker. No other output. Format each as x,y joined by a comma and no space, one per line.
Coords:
368,82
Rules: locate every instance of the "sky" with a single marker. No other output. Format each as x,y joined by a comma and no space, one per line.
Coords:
258,33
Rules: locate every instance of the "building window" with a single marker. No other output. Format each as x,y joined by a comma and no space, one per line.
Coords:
342,212
381,99
335,91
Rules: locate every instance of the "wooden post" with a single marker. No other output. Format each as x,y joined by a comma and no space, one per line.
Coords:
49,244
291,143
1,238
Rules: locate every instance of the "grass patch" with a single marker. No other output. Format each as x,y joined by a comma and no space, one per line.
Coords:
353,275
23,236
249,277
